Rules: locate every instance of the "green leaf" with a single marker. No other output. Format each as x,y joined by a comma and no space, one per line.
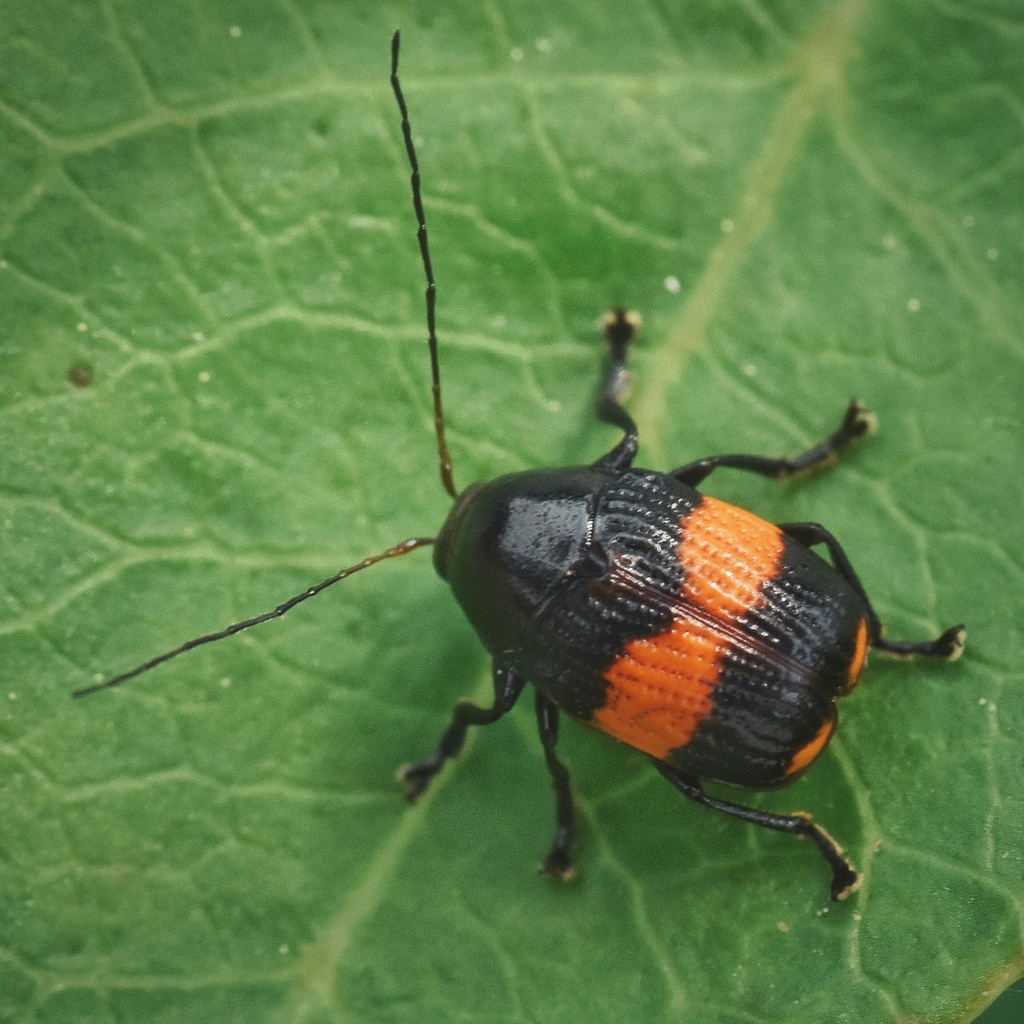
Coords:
214,392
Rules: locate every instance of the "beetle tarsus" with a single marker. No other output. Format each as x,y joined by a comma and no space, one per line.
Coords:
859,421
950,645
415,778
845,877
558,863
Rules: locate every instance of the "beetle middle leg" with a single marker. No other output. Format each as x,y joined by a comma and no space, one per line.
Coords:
508,685
857,422
949,645
845,878
558,862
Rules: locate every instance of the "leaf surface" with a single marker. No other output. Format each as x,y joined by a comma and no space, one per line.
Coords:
214,392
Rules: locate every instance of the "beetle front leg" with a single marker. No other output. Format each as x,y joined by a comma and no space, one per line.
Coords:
619,328
558,862
845,878
857,422
507,688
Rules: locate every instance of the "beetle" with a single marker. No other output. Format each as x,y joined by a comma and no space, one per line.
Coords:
710,640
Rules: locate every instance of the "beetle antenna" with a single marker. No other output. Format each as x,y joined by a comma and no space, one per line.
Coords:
442,447
431,293
399,549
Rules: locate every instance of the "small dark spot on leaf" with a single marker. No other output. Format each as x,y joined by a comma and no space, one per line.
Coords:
80,375
322,126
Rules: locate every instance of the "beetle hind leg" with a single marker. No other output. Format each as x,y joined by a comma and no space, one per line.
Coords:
949,645
845,878
507,688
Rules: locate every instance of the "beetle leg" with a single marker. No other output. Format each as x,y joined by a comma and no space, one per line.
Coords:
857,422
949,645
619,328
558,862
845,878
507,688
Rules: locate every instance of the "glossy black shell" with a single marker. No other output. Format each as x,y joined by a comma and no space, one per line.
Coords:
530,558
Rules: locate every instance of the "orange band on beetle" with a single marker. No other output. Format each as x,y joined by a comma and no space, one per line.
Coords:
727,553
804,757
860,656
660,688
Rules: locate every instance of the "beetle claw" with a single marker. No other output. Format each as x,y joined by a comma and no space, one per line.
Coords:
558,865
415,778
951,644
